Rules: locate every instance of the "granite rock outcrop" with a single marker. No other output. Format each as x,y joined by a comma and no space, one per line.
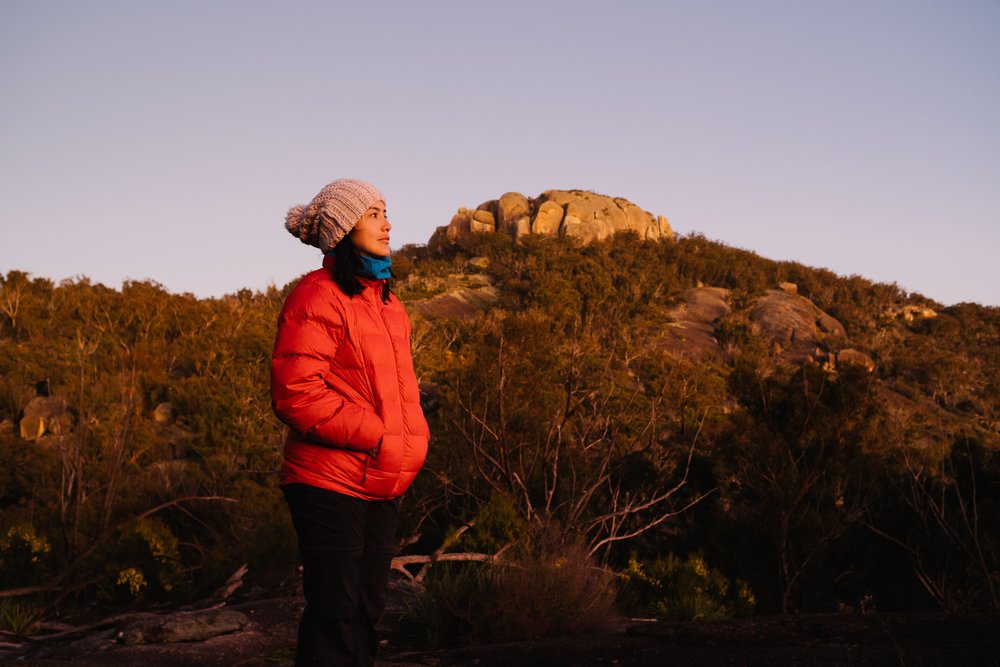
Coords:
793,324
579,214
45,415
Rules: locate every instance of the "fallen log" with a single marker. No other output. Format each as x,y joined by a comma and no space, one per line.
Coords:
399,563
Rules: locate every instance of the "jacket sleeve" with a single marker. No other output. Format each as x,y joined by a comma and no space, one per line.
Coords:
301,396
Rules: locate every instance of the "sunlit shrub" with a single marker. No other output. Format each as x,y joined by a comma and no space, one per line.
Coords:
132,581
23,555
683,590
145,564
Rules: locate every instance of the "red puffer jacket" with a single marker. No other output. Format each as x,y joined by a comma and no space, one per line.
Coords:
342,379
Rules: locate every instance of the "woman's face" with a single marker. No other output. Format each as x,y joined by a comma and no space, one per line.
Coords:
371,235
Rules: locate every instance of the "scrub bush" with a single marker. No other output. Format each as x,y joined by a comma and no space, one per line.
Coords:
683,590
546,586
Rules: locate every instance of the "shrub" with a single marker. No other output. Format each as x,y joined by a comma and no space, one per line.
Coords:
683,590
447,610
144,563
23,555
498,524
547,586
20,616
550,587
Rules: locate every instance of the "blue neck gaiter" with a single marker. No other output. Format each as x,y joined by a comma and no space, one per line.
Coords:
376,268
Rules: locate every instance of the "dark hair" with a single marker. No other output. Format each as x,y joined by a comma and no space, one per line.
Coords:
347,266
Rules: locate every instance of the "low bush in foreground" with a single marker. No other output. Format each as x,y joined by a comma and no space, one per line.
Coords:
545,587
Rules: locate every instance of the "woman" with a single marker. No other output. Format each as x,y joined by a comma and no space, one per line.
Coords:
342,380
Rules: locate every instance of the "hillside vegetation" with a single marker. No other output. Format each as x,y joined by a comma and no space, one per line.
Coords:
721,433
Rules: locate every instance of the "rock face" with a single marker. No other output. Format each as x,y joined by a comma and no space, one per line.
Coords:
459,302
691,331
45,415
579,214
793,323
796,329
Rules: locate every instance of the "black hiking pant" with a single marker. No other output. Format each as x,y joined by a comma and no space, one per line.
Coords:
346,545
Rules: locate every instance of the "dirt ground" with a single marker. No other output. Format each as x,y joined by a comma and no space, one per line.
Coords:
268,640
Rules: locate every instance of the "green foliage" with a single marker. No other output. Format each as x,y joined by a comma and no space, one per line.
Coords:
446,611
143,563
19,616
798,457
113,356
565,404
498,525
24,555
799,466
684,590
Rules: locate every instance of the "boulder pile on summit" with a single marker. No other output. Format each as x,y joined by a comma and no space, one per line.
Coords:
579,214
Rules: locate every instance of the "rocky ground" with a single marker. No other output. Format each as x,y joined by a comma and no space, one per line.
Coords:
262,633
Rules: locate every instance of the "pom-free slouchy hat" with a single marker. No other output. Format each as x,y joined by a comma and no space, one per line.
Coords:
332,214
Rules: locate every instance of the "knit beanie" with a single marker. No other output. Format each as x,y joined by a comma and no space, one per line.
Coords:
332,214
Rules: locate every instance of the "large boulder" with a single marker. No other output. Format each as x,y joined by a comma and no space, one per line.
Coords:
548,219
702,304
851,357
483,221
521,227
792,323
461,223
45,415
164,413
490,206
511,207
690,332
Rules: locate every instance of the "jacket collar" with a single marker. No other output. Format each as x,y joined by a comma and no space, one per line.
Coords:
368,283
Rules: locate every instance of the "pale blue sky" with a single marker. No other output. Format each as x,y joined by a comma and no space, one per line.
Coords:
166,140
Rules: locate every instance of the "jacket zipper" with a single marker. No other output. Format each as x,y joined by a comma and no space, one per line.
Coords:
379,306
